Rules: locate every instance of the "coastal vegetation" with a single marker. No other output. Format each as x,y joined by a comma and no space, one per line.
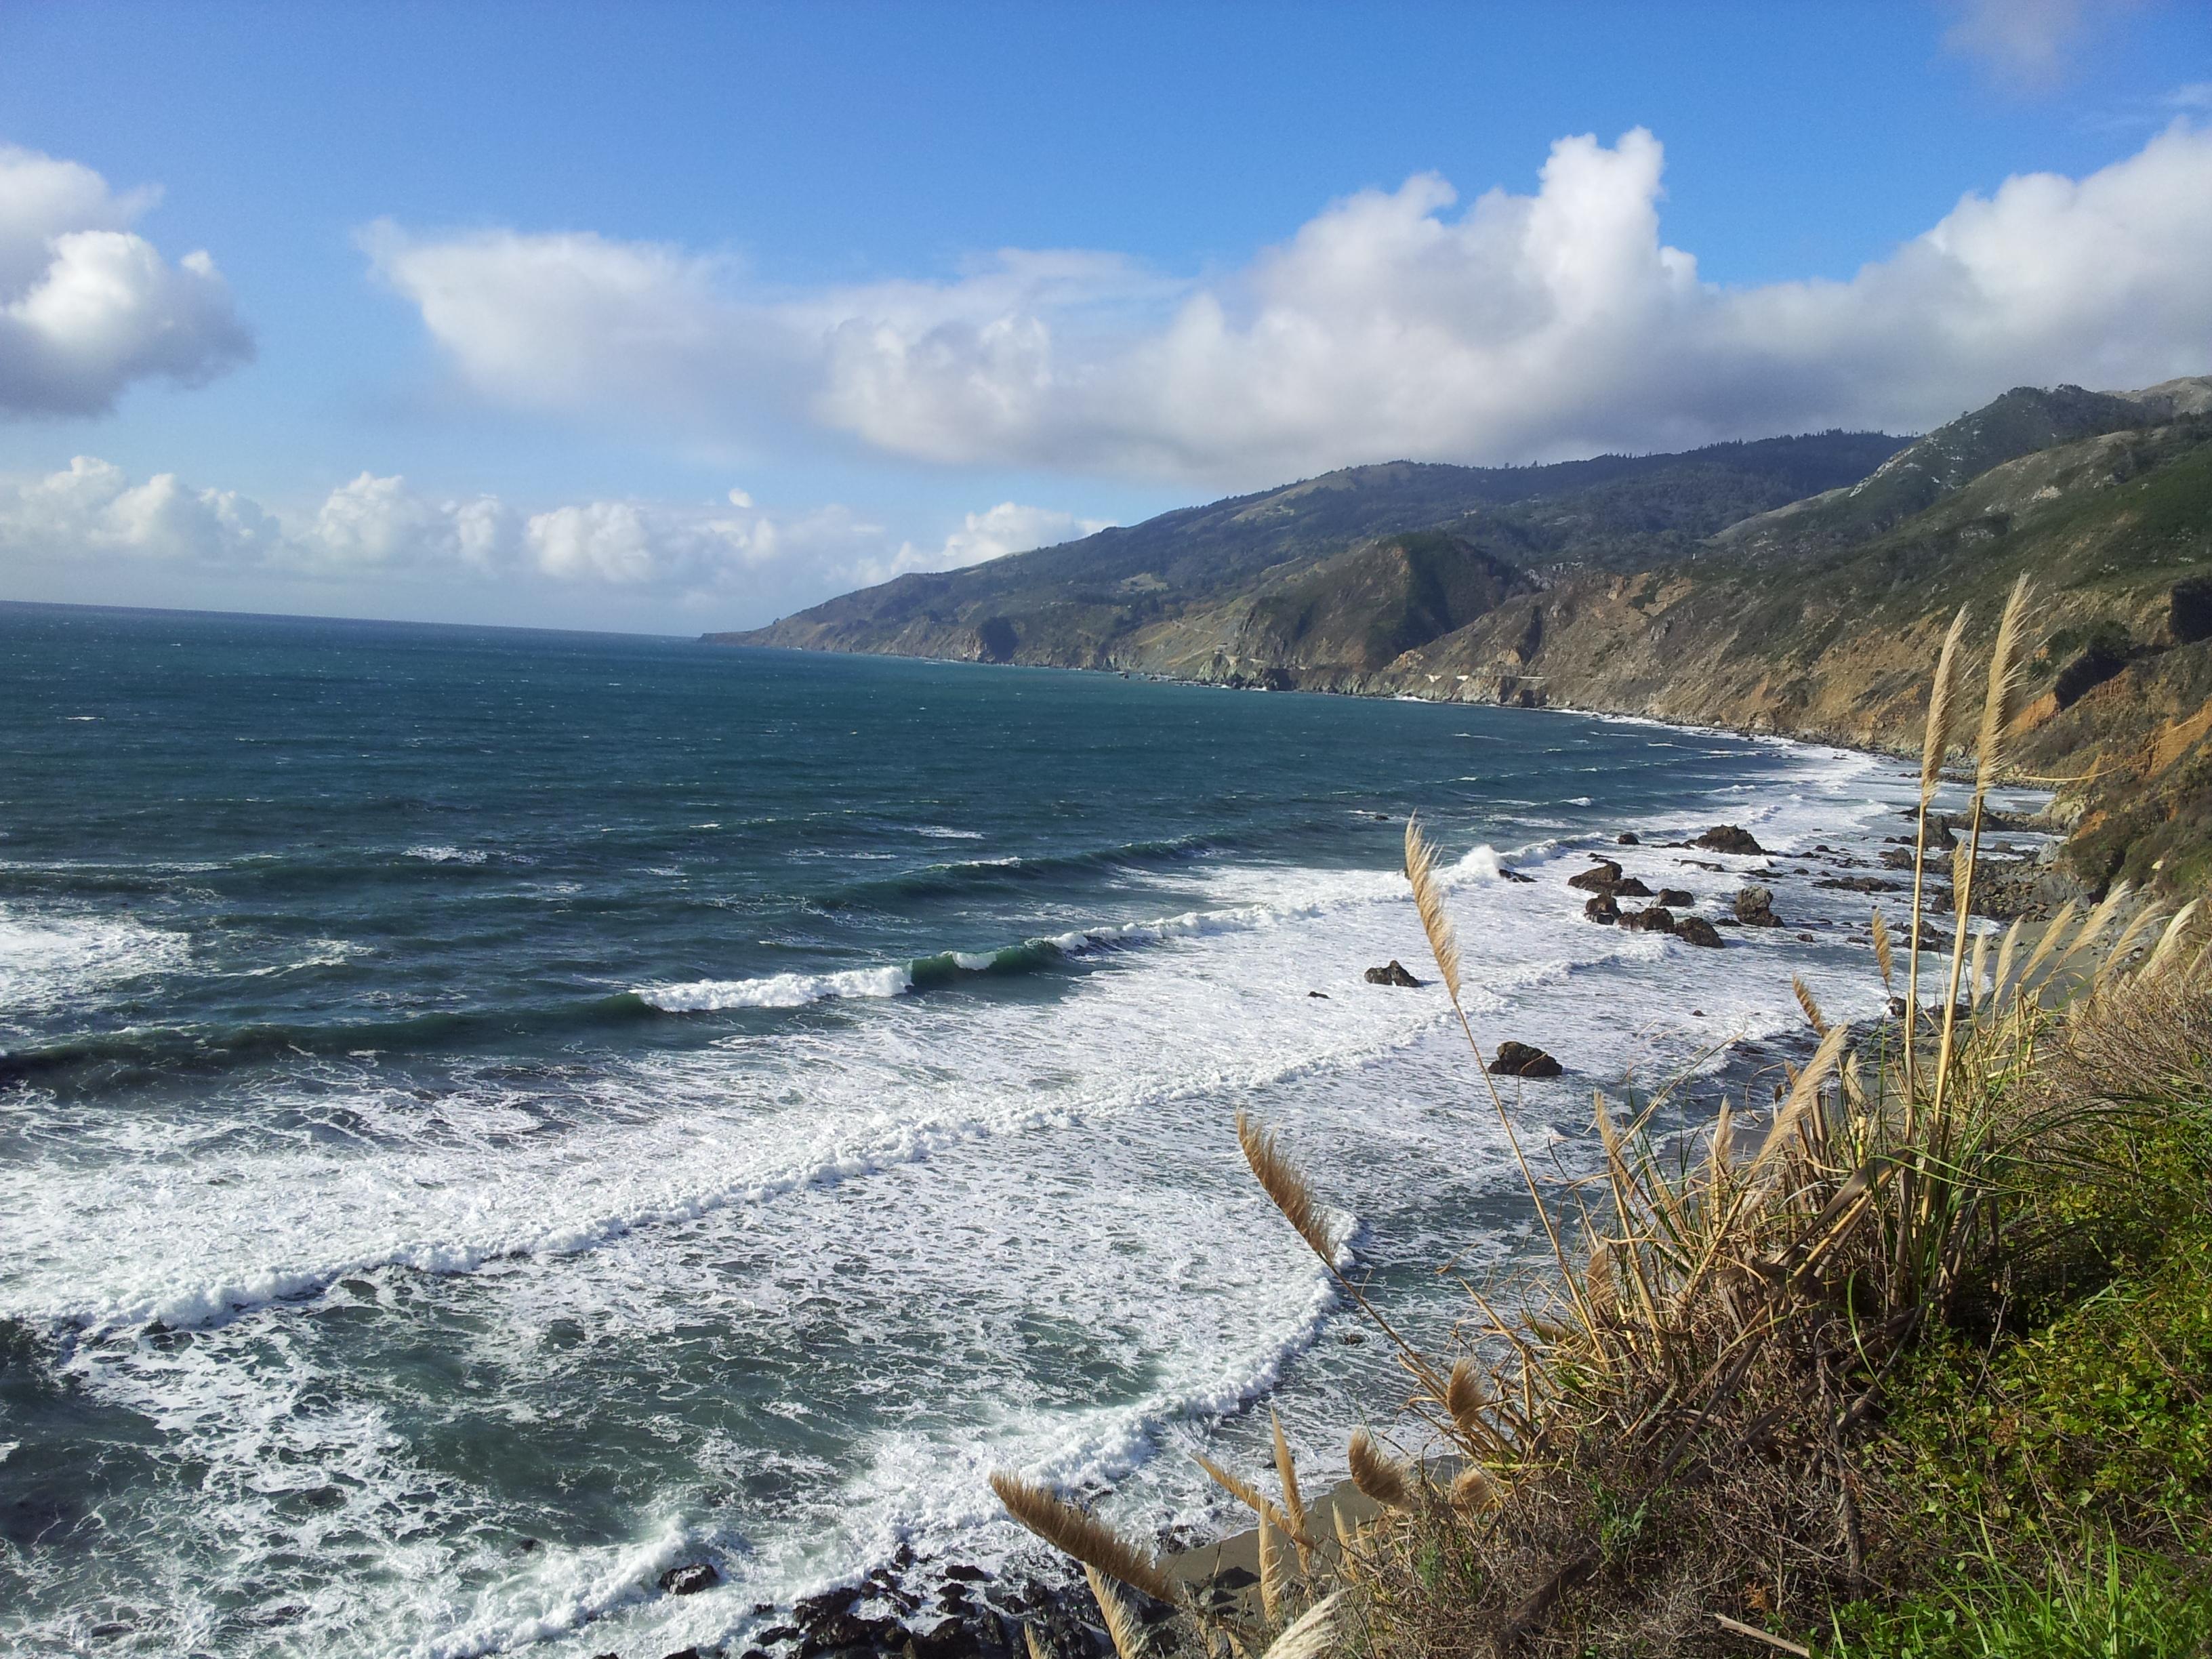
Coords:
1916,1365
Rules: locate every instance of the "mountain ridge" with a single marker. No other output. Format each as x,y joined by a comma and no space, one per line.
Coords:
1675,586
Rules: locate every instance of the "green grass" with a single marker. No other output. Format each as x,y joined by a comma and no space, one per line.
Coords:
2109,1604
2058,1473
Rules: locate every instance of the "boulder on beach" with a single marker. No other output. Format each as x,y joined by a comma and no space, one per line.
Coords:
1754,907
1727,838
1601,878
1602,908
1654,920
1393,973
1632,888
1674,898
1696,930
1520,1060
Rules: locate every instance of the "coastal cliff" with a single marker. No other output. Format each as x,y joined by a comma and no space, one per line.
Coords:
1795,586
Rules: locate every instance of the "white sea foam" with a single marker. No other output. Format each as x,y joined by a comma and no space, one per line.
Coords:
50,959
438,854
938,1201
776,990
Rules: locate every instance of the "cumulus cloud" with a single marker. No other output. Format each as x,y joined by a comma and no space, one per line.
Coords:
1393,322
88,306
1009,528
91,519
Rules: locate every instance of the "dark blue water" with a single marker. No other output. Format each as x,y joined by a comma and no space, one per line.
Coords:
462,1087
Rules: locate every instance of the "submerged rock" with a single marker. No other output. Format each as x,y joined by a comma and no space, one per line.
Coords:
1520,1059
1393,973
690,1578
1728,838
1627,838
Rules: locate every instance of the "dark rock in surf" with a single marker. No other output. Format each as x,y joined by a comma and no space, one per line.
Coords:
1631,888
1323,995
1602,909
1896,858
1754,907
1520,1060
1393,974
1601,878
1627,838
1675,899
1657,919
1727,838
690,1578
1506,874
1696,930
1860,884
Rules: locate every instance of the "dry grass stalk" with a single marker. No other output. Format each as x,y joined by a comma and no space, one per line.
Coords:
1378,1474
1078,1532
2169,942
2001,708
1279,1178
1314,1636
1977,973
1943,707
1252,1498
1882,951
1936,743
1121,1626
1031,1641
1294,1503
1429,900
1274,1591
1804,994
2004,961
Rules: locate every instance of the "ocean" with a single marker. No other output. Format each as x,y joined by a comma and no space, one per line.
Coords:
488,1116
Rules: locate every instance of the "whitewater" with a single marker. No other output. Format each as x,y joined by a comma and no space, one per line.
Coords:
486,1118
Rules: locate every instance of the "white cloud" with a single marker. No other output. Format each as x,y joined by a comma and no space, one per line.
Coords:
87,306
1392,324
1009,528
729,559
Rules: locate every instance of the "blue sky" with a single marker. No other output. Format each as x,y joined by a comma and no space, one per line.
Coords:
505,302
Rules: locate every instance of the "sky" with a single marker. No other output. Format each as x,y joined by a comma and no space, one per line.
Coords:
676,318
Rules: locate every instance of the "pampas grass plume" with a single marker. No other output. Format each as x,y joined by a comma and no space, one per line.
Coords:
1882,958
1282,1183
1077,1533
1465,1395
1429,900
2001,706
1942,708
1378,1474
1313,1637
1120,1624
1812,1008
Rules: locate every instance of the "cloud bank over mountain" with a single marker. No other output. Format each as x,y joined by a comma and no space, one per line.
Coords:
89,306
1393,322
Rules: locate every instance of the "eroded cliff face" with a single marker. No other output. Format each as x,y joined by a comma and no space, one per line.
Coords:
1818,619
